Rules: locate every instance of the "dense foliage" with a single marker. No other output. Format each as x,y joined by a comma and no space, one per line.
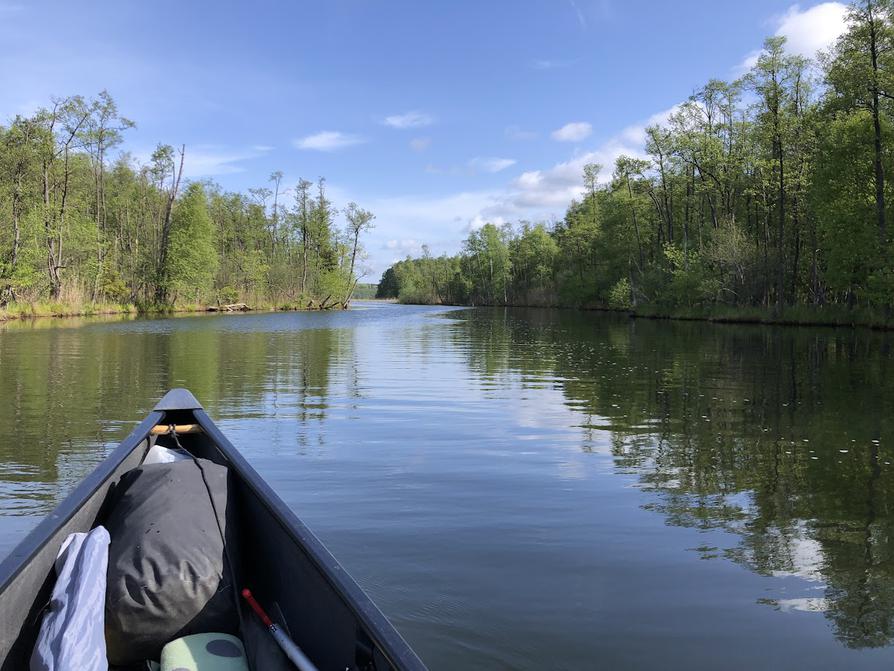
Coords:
77,227
766,192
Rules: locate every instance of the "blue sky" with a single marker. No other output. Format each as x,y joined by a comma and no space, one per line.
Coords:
437,116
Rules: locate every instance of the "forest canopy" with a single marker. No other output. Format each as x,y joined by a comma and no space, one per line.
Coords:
767,192
83,223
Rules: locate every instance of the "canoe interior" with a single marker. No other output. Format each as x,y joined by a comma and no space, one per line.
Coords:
283,563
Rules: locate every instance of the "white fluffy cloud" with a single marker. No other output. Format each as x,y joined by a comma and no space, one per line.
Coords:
573,132
208,160
407,246
328,140
412,119
538,193
806,31
491,164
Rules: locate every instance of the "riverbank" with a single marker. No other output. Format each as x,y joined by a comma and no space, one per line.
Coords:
39,310
834,316
800,315
46,309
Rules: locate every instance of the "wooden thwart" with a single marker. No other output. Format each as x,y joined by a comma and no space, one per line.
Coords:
165,429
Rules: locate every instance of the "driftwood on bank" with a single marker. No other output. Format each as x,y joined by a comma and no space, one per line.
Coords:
232,307
325,304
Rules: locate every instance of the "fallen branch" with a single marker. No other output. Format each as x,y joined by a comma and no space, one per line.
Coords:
232,307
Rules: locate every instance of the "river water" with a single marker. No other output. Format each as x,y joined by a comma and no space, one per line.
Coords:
524,489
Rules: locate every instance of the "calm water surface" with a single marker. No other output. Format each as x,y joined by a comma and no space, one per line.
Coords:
523,489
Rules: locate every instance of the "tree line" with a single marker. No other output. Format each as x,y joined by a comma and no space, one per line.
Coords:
767,192
83,223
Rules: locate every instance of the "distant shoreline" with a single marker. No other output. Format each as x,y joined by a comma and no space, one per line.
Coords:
794,316
27,311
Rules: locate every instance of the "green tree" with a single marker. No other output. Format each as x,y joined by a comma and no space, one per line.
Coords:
191,258
486,259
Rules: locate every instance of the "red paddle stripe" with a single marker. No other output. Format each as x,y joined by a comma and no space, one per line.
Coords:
256,607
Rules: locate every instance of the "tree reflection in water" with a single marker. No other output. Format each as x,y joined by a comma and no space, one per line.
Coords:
781,436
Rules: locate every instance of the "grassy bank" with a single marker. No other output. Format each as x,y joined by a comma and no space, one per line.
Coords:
799,315
52,309
40,309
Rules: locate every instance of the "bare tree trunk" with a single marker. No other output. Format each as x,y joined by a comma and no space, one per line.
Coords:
161,288
878,166
780,271
48,218
351,281
639,243
16,228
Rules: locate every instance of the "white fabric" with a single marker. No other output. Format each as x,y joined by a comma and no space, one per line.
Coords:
72,634
164,455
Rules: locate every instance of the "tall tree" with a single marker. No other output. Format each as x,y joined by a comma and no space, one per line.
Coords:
771,79
191,261
163,162
860,75
102,132
358,221
61,125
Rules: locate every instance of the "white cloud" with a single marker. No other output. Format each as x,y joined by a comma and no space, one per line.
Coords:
207,160
573,132
806,31
491,164
749,62
417,211
420,143
479,220
547,192
406,246
328,140
635,134
409,120
812,29
405,223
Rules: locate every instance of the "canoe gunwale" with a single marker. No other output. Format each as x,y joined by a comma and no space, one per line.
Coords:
22,555
371,620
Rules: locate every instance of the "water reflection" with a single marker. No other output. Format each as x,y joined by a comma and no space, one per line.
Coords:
516,484
70,394
778,436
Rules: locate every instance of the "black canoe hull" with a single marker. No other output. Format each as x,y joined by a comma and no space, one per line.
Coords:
326,612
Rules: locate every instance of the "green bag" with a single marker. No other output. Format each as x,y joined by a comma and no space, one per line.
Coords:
204,652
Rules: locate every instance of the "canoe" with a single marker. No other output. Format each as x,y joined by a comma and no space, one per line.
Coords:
327,614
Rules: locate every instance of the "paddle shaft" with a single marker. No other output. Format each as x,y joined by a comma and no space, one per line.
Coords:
288,646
